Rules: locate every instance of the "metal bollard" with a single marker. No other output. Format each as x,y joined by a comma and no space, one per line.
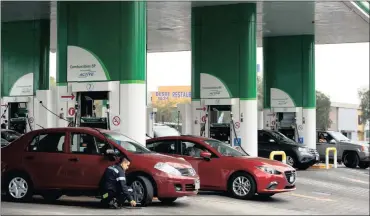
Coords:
282,153
327,157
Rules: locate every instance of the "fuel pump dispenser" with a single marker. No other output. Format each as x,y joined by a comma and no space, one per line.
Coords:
214,118
150,120
86,114
15,113
287,121
284,116
95,104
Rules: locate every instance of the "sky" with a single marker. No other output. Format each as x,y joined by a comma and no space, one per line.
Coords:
341,69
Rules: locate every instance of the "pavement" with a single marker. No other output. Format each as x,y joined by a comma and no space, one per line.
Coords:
341,191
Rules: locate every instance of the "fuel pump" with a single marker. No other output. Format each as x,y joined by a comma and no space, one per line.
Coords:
289,123
219,122
150,120
86,110
18,117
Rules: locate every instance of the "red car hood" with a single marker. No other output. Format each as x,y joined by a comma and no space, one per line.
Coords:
173,161
258,161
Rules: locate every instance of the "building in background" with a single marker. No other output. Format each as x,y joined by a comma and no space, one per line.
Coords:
346,118
171,95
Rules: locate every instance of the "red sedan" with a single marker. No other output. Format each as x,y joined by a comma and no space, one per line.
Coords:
222,168
71,161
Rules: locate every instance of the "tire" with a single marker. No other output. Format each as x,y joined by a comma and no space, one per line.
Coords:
364,165
16,181
144,189
291,161
51,196
351,160
249,182
167,200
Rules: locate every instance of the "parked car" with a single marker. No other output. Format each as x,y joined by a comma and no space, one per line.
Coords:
10,135
71,161
352,154
297,155
161,130
223,168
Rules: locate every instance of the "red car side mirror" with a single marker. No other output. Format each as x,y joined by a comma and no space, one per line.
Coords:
205,155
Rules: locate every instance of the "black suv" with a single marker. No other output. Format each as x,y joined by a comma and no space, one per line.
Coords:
298,155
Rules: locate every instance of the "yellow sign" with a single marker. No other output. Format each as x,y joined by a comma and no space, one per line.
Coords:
172,94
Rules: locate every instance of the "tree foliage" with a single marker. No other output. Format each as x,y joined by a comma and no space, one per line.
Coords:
364,95
52,82
166,111
323,107
260,93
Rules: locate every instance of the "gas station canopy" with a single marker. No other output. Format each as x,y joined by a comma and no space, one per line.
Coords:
169,23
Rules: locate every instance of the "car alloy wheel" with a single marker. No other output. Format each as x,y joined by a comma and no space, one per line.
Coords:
18,188
241,186
290,160
139,189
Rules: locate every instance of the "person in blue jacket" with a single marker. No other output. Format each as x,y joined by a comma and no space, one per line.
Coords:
114,187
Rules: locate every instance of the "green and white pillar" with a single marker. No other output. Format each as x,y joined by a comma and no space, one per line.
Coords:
224,61
289,81
132,82
100,42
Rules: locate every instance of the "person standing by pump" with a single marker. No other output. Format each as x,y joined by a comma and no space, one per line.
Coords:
114,187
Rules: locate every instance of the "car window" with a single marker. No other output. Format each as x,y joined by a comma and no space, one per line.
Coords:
192,149
82,143
48,142
225,149
126,142
164,146
263,137
323,137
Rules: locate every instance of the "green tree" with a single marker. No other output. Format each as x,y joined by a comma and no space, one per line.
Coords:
364,95
323,107
165,111
52,82
260,93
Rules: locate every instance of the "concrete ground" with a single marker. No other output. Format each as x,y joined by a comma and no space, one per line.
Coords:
339,191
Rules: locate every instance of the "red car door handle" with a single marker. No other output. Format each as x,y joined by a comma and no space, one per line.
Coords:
29,157
74,159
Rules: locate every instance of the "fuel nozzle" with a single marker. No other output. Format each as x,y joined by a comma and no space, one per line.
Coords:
108,107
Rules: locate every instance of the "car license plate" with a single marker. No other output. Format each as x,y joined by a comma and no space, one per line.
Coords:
291,179
317,157
197,184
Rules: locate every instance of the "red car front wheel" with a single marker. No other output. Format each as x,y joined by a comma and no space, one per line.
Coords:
242,186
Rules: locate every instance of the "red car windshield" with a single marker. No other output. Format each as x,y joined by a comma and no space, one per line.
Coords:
126,142
224,149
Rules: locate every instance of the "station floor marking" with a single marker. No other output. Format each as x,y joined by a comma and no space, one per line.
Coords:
311,197
355,180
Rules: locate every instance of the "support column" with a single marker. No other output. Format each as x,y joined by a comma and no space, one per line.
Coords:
133,84
109,39
224,61
289,82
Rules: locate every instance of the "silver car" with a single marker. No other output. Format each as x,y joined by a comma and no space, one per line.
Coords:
352,154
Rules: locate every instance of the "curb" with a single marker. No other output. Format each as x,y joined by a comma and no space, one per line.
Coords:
321,166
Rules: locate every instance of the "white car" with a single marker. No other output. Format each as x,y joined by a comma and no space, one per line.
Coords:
161,130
